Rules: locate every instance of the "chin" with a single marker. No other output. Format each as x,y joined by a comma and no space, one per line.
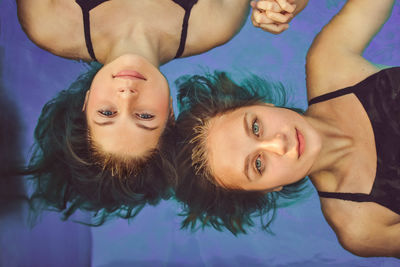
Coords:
133,58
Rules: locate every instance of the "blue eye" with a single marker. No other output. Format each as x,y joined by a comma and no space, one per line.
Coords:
145,116
255,128
258,165
107,113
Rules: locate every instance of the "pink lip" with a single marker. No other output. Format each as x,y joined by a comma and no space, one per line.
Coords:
300,143
130,75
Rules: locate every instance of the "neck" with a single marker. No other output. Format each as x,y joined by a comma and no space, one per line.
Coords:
335,149
138,43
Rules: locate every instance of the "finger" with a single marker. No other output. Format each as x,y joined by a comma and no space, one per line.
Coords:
274,28
268,5
260,17
286,6
254,22
278,17
253,17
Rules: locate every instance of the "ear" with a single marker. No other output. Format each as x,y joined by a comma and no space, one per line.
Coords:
277,189
171,108
85,102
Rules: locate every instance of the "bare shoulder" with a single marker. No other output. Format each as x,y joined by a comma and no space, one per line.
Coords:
335,58
364,229
215,22
53,25
27,9
331,69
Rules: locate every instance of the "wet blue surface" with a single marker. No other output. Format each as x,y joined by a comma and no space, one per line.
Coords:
32,76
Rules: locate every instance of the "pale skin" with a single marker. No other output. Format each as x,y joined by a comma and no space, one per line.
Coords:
124,38
335,147
355,171
127,37
274,16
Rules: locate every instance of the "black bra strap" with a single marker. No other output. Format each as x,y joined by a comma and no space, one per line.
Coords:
357,197
86,6
187,6
328,96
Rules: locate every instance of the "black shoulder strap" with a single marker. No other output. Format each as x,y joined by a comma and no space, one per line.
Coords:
328,96
357,197
86,6
187,6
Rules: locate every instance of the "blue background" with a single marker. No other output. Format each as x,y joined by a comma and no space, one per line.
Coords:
31,76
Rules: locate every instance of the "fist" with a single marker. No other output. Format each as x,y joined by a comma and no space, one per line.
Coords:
272,15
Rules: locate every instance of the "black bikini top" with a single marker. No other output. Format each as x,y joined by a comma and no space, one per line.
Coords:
380,96
87,5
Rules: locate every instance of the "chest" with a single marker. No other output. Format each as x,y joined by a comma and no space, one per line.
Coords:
57,25
357,171
372,176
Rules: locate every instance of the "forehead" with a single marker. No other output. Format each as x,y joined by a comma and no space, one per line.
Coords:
226,144
125,138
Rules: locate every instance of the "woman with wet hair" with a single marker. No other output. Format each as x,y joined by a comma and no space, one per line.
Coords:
101,144
242,149
200,100
69,172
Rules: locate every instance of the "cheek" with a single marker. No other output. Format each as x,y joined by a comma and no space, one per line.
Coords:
95,97
163,107
155,102
160,98
280,172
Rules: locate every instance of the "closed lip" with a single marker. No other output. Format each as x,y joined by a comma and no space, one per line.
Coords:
130,75
300,143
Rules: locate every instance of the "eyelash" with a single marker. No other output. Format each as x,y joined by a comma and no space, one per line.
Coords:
142,116
260,168
102,112
139,115
255,123
255,129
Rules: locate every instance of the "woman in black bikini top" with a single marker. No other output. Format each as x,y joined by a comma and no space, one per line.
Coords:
245,154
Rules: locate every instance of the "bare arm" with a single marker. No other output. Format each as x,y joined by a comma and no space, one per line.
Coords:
376,241
365,229
335,58
214,23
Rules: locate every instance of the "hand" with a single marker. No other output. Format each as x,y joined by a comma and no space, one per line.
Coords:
273,15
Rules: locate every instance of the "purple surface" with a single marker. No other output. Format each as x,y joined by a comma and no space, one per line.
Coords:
303,238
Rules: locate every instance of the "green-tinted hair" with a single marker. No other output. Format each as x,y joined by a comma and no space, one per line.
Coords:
68,175
201,98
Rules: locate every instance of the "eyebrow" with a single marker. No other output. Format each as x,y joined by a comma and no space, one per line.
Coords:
146,127
246,167
246,129
247,159
137,124
103,123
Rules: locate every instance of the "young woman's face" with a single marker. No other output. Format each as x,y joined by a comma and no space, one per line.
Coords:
127,106
261,147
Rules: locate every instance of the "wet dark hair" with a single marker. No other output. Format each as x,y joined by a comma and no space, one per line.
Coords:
205,203
68,174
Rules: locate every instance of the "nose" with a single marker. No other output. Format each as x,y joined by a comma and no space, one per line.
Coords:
127,92
277,144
